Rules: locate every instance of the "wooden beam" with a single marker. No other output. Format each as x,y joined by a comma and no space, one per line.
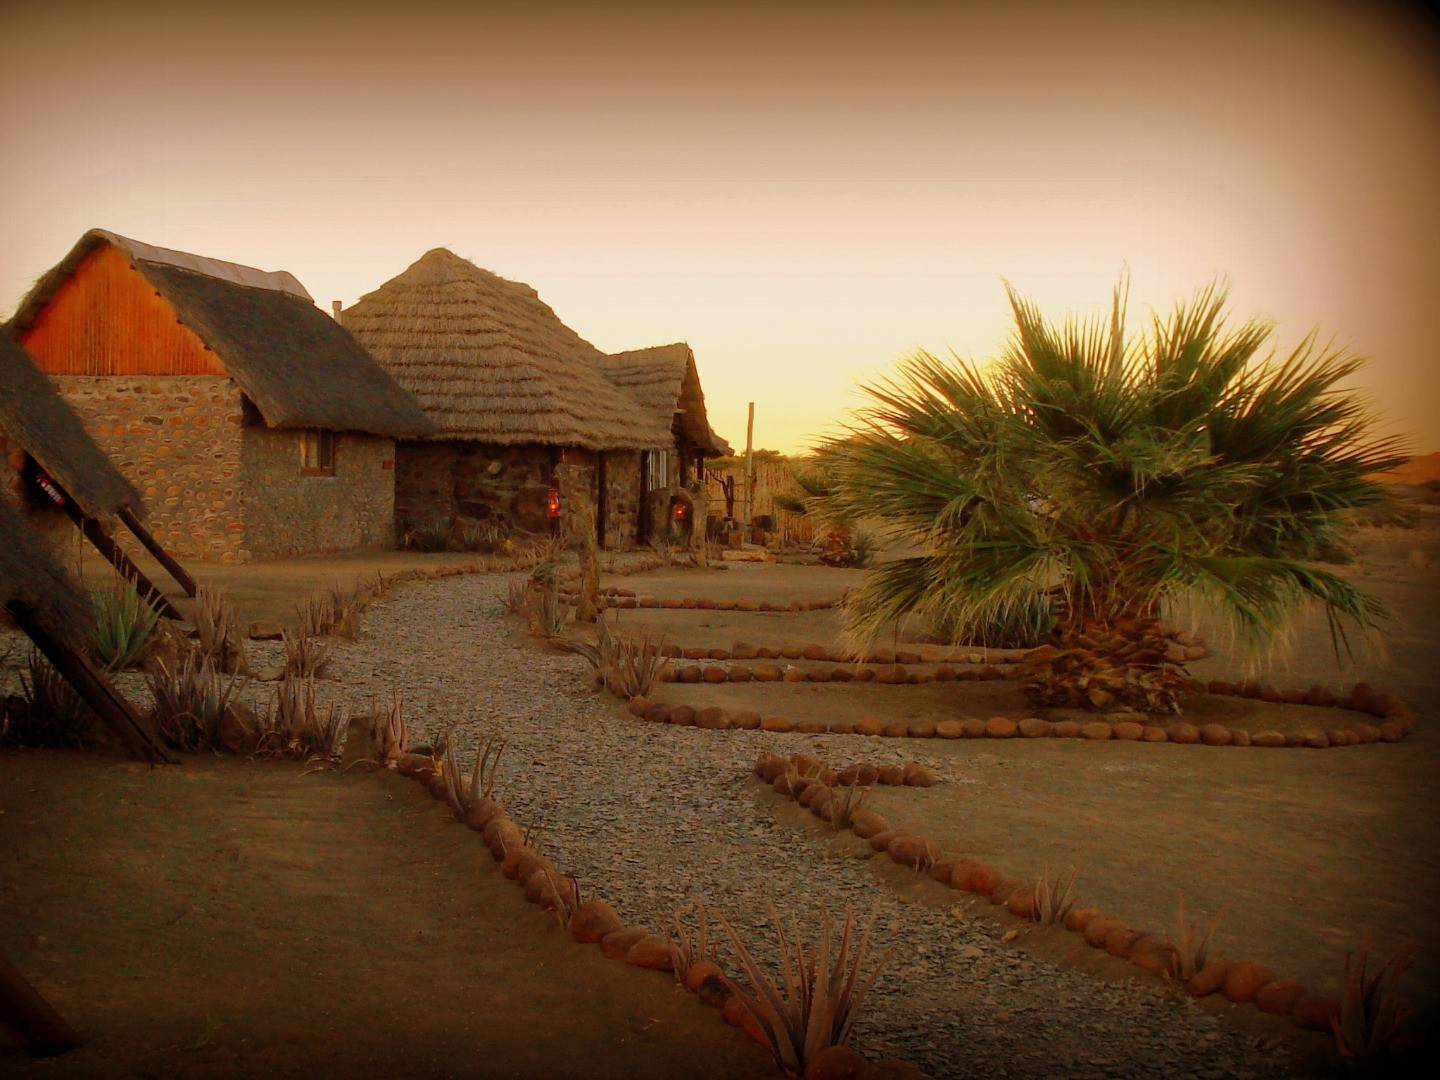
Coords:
163,557
95,689
118,559
41,1029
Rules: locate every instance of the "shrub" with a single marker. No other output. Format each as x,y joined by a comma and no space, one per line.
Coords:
215,627
1016,626
48,711
428,538
191,699
298,728
306,657
1192,942
1372,1017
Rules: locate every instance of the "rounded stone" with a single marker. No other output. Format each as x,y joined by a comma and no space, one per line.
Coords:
712,719
765,673
917,775
1185,734
593,920
949,729
891,775
1065,729
1128,731
1278,998
972,728
681,716
777,724
1120,941
740,673
1271,739
747,721
1000,727
652,952
1211,980
1099,928
869,726
1216,735
1076,919
618,943
1096,731
899,729
1245,981
1314,1012
1032,727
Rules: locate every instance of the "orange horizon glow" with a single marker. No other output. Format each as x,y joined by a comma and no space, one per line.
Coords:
803,193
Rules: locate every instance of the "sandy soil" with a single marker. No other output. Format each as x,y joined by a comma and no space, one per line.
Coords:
236,919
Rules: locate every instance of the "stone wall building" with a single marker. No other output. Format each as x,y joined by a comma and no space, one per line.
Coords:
513,392
252,423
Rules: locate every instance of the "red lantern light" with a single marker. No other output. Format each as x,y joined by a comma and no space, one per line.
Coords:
679,511
552,503
50,489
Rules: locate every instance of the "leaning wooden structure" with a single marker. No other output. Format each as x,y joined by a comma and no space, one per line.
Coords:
57,469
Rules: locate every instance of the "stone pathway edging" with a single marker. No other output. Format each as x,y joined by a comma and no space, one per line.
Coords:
803,779
596,922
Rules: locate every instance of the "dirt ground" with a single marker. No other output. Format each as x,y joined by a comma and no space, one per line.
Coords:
126,906
236,919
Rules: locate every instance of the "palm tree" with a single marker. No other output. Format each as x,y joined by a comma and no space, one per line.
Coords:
1085,478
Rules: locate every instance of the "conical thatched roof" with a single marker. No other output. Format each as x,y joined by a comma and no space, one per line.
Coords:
665,381
492,363
33,413
299,366
31,579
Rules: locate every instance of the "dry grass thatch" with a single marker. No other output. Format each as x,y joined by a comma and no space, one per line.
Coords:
299,366
34,414
33,581
665,381
492,363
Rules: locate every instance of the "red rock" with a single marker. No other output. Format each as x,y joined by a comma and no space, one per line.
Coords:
881,840
1182,733
745,720
1272,694
1120,941
843,727
1211,979
1220,686
712,719
1153,954
810,727
869,775
693,654
943,869
983,879
1392,732
892,775
593,920
1216,735
792,785
866,823
1004,888
1321,696
1315,740
835,1063
1096,730
1076,919
1245,980
791,652
1021,903
638,705
793,675
1065,729
1361,696
765,673
1000,727
973,728
949,729
481,812
819,675
714,674
944,673
1239,738
1128,731
681,716
777,724
698,972
917,775
651,951
1368,733
1033,727
864,674
1278,998
740,673
1294,738
690,675
869,726
814,793
1267,739
618,943
1098,929
882,656
719,654
920,729
814,651
914,851
502,834
734,1011
848,776
1293,696
743,651
1315,1013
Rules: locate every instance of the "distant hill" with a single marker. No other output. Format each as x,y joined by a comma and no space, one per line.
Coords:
1418,470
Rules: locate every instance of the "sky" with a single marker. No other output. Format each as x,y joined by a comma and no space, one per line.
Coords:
803,192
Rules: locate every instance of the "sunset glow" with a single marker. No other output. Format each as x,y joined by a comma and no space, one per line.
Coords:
803,193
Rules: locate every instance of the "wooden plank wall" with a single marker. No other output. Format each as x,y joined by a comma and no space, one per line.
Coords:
107,320
770,477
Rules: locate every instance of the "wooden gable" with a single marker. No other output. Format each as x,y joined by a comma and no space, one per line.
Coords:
106,319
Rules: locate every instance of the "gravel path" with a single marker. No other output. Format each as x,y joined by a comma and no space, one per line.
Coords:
649,816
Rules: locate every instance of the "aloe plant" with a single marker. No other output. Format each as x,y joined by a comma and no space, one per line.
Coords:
124,624
215,627
820,993
306,657
687,951
51,713
1193,943
191,699
1372,1017
1053,899
298,727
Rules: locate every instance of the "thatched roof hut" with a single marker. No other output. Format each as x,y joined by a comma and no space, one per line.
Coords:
35,416
33,581
301,368
492,363
666,383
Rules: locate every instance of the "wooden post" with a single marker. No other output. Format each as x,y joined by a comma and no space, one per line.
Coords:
22,1010
749,467
118,559
163,557
95,689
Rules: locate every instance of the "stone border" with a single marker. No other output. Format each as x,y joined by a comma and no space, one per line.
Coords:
803,779
626,598
1397,720
596,922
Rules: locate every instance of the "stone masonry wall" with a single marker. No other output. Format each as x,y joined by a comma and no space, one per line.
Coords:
622,499
288,513
178,439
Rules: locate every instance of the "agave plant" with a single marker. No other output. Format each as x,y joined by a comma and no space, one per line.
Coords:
124,624
300,728
460,794
1114,475
687,951
216,632
50,712
1193,942
1372,1017
389,737
820,992
191,699
846,802
306,657
1053,899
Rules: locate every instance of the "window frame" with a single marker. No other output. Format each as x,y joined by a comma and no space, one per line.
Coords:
317,446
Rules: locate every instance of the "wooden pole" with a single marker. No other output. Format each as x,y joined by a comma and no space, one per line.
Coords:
40,1028
163,557
118,559
749,467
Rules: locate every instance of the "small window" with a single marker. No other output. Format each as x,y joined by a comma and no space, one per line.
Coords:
657,470
317,453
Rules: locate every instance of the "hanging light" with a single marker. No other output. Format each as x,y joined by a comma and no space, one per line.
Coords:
50,489
552,503
679,510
